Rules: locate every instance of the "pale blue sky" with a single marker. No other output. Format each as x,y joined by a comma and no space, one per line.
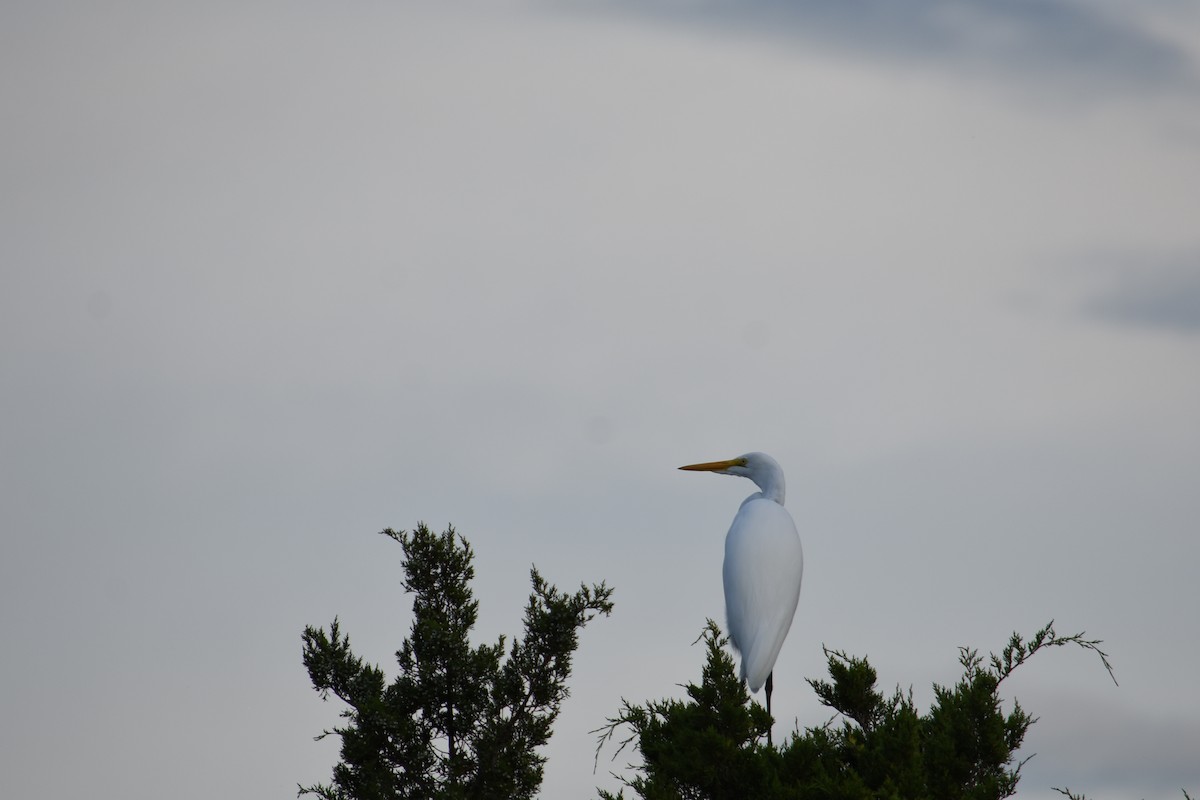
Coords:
279,275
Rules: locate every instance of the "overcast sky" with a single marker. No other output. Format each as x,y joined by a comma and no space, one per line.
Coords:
278,275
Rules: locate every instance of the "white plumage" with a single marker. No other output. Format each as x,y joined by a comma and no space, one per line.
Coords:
764,564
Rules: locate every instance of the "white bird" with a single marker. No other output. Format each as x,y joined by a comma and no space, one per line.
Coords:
763,567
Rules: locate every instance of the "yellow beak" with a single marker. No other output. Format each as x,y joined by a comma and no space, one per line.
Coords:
715,466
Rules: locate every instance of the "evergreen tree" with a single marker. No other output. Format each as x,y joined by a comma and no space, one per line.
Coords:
459,721
710,746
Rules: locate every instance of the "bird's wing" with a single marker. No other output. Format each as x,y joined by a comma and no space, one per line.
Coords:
763,567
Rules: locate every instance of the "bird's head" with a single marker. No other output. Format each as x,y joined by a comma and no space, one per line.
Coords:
758,467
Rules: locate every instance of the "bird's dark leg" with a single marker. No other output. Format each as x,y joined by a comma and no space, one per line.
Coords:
770,688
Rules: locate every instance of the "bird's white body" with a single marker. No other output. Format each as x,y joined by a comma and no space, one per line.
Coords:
764,564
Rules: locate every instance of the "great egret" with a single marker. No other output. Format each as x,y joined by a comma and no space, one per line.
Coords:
763,567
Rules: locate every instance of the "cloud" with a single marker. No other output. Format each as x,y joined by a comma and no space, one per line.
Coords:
1094,746
1162,294
1054,40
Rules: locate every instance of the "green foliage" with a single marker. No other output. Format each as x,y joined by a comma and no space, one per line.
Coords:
459,721
711,746
706,747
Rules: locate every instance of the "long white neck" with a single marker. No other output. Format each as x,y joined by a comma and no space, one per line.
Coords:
767,475
772,487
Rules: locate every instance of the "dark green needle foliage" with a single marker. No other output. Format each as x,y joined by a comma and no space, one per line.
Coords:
458,721
705,746
876,747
